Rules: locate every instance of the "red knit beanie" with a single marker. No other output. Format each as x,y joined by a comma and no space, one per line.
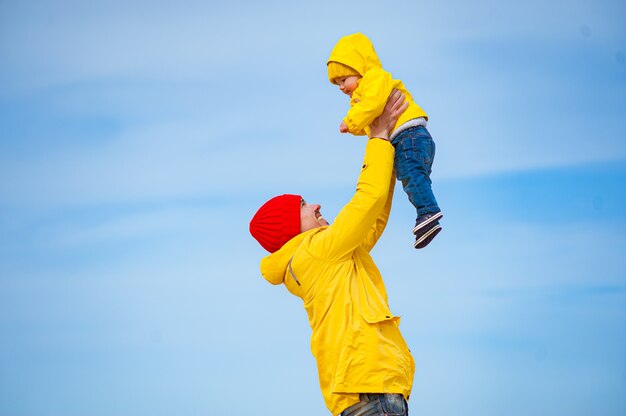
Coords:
277,221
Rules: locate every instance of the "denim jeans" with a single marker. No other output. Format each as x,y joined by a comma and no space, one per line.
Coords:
415,152
377,404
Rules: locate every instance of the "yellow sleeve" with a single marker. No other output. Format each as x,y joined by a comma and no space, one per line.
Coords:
353,226
376,86
381,222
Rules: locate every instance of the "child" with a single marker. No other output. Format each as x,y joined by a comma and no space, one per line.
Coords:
354,66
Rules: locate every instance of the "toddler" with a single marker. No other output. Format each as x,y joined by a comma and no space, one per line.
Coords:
354,66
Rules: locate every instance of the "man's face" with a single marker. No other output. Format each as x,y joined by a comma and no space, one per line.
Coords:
310,216
347,85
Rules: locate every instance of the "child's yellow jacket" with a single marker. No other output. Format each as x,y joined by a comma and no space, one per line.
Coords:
355,338
368,100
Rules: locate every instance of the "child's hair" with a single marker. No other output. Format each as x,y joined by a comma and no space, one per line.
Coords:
337,70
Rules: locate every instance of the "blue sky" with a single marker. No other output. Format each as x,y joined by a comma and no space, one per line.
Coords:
138,138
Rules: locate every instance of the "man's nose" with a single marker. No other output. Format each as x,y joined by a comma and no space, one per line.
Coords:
316,207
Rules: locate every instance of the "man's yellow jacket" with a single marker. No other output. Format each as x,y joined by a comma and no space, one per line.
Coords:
355,338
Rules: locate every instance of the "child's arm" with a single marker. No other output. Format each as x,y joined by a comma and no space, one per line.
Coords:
377,85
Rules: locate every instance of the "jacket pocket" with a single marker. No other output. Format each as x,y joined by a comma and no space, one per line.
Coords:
372,317
373,304
374,309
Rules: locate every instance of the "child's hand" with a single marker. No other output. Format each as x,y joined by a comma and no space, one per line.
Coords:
343,128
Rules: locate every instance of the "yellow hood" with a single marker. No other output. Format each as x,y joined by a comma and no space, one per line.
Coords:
357,52
274,266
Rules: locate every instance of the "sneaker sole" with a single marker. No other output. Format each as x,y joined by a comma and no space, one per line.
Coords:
427,238
435,217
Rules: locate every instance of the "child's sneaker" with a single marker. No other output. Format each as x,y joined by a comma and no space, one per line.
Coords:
426,228
426,237
423,221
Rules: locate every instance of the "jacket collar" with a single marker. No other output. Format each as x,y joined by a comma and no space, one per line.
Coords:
274,266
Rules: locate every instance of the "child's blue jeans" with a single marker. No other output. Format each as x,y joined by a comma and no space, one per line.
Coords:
415,152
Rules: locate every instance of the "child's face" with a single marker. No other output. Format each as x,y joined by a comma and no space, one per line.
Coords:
347,85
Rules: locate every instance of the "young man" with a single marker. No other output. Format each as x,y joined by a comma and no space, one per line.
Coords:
364,365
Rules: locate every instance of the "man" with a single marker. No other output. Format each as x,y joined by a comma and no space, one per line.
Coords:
363,362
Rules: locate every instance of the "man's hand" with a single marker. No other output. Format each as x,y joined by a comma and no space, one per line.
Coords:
385,123
343,128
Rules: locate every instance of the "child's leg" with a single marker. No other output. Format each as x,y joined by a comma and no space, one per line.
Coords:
415,152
